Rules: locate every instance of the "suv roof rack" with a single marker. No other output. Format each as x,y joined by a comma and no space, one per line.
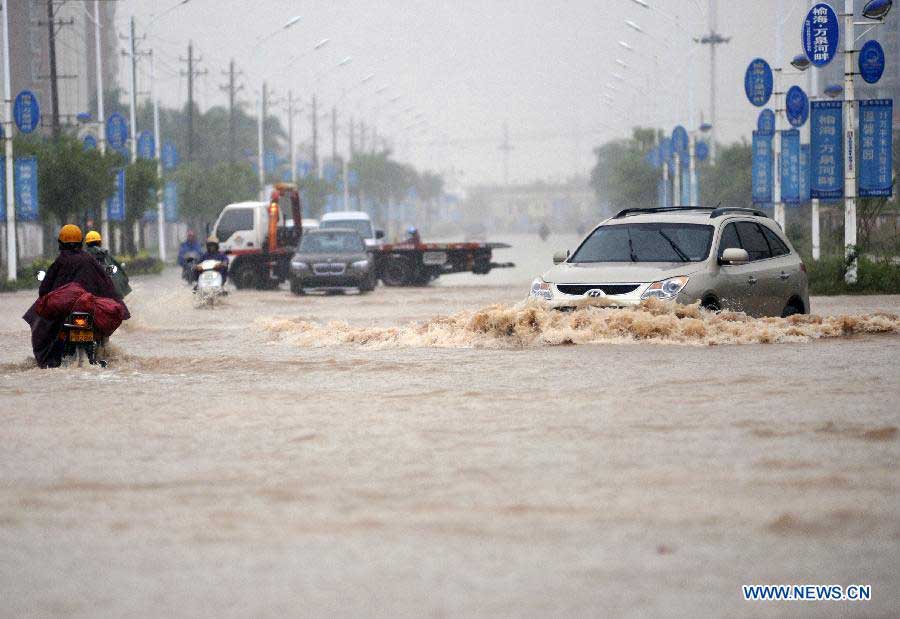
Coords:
660,209
717,212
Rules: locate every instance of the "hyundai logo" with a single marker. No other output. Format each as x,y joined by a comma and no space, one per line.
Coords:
596,293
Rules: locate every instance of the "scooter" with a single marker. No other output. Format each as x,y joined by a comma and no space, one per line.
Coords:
77,335
210,285
187,271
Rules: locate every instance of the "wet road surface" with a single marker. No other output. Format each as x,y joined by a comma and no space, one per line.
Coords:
357,455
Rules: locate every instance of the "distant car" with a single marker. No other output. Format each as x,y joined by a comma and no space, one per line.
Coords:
332,259
725,258
355,220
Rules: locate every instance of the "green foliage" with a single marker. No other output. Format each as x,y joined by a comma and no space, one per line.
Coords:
314,192
72,182
203,192
728,181
622,177
826,276
141,263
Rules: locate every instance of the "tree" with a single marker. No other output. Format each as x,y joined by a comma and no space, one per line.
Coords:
203,191
622,177
729,180
141,184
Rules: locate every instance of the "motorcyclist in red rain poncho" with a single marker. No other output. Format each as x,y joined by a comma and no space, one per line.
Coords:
73,265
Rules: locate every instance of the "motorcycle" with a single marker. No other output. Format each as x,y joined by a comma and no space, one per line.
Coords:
187,270
77,336
210,283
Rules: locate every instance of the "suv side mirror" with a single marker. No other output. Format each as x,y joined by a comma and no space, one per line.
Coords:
379,234
734,256
560,256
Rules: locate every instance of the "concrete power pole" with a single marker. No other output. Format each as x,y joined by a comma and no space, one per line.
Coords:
191,73
505,147
713,39
334,132
232,88
315,137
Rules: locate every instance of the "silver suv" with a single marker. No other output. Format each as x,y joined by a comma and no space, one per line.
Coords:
725,258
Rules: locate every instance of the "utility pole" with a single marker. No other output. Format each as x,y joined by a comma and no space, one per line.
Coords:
292,149
191,73
334,132
713,39
352,138
54,94
362,137
315,137
261,143
133,98
850,249
232,89
11,256
101,114
505,147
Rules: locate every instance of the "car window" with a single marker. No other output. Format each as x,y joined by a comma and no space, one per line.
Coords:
729,239
363,226
234,220
646,242
331,243
753,240
776,244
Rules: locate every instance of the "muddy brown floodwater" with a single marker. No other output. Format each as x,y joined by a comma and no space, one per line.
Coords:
420,452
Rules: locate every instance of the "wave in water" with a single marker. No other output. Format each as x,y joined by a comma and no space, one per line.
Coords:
527,324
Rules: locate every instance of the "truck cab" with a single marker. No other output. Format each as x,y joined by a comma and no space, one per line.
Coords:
242,226
354,220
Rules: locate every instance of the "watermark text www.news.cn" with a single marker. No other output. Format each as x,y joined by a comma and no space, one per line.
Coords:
814,593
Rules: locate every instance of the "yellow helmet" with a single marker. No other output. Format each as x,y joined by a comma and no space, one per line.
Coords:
213,239
70,233
92,237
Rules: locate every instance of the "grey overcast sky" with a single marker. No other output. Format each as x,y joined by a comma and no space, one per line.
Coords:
463,68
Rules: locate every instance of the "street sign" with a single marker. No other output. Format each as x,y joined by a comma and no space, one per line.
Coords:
665,148
169,156
765,122
26,188
790,166
804,173
89,142
654,158
875,148
796,106
820,34
871,61
758,82
170,202
762,168
701,151
270,162
116,131
26,111
146,145
826,150
679,140
115,205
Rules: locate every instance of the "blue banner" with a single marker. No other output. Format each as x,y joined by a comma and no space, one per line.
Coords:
89,143
875,148
826,150
796,105
146,145
3,190
169,156
686,184
115,205
763,167
804,173
765,122
790,166
26,189
116,131
26,111
170,202
871,61
820,34
758,82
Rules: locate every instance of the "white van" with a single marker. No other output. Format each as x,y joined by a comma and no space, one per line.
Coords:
354,220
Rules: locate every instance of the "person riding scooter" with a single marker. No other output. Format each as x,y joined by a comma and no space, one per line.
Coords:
92,243
213,253
412,235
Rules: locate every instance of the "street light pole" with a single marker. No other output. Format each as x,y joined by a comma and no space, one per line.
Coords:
157,147
850,249
259,143
8,151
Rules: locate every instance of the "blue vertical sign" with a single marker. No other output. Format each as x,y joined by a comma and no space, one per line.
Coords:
762,177
686,184
790,166
169,156
25,181
89,143
826,150
115,205
116,131
804,173
3,190
820,34
758,82
146,145
875,148
26,111
170,202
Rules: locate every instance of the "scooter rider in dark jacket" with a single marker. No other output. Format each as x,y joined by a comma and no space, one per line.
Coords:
92,245
213,253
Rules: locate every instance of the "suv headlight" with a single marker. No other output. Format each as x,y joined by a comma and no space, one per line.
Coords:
666,289
541,289
360,265
299,265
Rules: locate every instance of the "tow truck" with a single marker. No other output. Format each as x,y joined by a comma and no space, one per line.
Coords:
261,240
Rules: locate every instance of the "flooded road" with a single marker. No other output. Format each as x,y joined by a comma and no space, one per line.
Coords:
359,455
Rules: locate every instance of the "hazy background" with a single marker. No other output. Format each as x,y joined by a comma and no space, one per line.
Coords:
463,68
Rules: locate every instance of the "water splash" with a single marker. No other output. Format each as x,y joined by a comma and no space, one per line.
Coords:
527,325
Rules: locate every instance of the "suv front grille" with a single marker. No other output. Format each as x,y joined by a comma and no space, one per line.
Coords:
608,289
330,268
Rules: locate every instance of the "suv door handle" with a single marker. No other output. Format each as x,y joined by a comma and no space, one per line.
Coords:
751,280
784,275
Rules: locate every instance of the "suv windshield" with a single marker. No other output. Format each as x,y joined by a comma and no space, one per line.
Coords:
363,226
332,243
646,242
